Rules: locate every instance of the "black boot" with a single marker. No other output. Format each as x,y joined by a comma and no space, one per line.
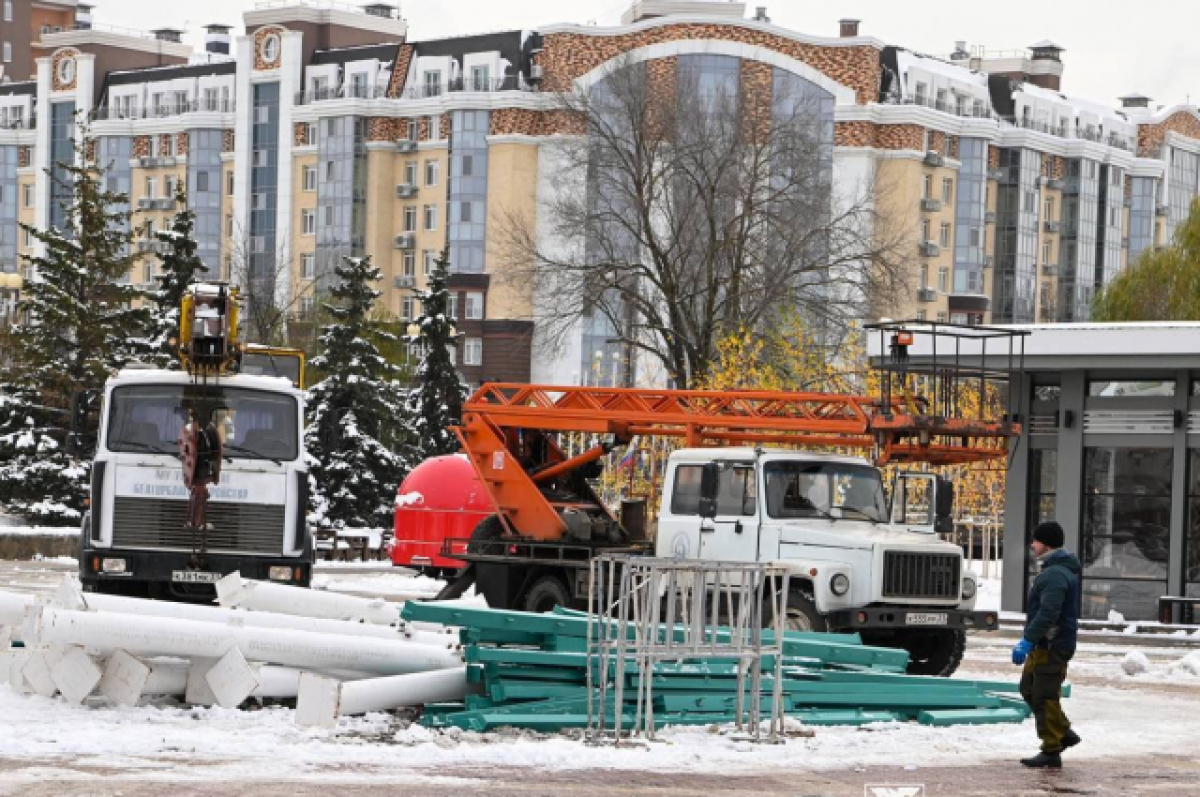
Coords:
1044,761
1070,739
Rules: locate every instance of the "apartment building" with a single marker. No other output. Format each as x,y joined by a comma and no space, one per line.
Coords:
323,130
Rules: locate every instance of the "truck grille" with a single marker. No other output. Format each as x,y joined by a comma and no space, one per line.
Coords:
921,575
159,523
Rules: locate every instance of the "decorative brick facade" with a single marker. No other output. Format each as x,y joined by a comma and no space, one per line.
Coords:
227,141
937,141
516,121
142,147
260,64
386,129
300,134
567,56
869,134
181,144
447,126
954,149
400,71
758,92
59,56
1151,137
993,157
24,157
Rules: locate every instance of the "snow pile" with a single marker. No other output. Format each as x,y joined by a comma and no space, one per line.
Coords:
409,499
1135,663
1115,616
1189,664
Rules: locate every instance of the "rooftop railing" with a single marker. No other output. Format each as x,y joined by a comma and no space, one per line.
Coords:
352,92
163,111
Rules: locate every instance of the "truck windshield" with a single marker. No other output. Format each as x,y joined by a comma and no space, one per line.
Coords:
824,489
253,424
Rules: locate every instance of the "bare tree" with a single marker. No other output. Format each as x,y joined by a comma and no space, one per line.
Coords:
272,290
689,204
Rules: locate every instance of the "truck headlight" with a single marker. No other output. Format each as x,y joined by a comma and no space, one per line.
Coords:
968,588
839,584
113,565
280,573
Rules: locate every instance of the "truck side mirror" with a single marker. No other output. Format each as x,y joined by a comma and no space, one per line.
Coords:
944,521
708,491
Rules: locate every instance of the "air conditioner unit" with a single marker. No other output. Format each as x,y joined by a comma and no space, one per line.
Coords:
537,72
148,163
931,205
167,160
405,282
1053,226
926,295
1161,210
406,145
406,191
406,241
988,260
930,249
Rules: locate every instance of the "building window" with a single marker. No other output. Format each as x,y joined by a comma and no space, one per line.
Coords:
468,165
358,85
410,218
927,187
414,129
229,183
27,190
406,308
433,83
308,264
409,264
306,305
310,178
431,217
921,93
7,52
308,222
465,212
151,187
202,182
170,184
942,316
28,238
925,233
452,353
473,351
311,134
947,190
431,173
150,226
944,241
329,215
229,226
430,261
435,127
924,280
920,315
452,305
258,201
1047,250
481,79
260,157
410,173
8,11
474,306
330,170
943,279
1049,208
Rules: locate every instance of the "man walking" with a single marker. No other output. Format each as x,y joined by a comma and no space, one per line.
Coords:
1048,643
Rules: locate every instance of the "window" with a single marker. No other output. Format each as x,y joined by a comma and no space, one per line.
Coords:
181,102
170,184
211,99
306,305
7,52
927,187
150,226
452,305
925,233
433,83
1049,208
430,261
270,49
465,212
229,225
258,201
410,218
308,265
474,306
924,281
431,173
28,238
414,130
8,11
406,308
941,100
410,173
920,315
409,263
943,279
942,316
229,183
320,88
473,351
945,237
1047,251
737,492
947,190
358,85
260,157
151,187
468,165
431,217
310,178
308,222
258,244
435,127
1031,202
329,215
27,192
921,93
202,182
481,78
975,237
311,134
330,170
452,353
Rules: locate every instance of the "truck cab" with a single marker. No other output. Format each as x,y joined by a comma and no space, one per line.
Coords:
859,560
135,537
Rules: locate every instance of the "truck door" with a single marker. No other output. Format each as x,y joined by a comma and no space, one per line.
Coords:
731,535
922,502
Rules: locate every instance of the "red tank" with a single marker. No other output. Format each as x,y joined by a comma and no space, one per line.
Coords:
441,498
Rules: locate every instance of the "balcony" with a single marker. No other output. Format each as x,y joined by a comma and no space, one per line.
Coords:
926,295
406,191
1093,134
107,113
19,123
406,241
962,110
1052,226
160,162
997,174
930,249
1050,270
1052,183
153,247
156,203
360,92
405,282
931,205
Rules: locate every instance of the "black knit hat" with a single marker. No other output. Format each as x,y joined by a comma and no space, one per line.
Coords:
1049,534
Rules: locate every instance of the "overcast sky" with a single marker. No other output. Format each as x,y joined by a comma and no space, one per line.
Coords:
1113,48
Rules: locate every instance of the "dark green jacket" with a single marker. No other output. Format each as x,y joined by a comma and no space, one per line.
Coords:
1054,602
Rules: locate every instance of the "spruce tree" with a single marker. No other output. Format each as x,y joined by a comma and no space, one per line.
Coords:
78,326
179,267
357,432
436,405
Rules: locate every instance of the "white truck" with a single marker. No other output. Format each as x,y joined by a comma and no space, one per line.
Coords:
859,560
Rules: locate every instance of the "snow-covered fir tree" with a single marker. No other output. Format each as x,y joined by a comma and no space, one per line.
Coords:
436,404
179,268
78,325
357,433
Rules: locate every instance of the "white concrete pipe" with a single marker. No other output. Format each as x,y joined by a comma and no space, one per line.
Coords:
323,700
13,606
233,591
104,634
69,596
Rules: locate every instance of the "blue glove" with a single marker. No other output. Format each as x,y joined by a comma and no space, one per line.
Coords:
1021,650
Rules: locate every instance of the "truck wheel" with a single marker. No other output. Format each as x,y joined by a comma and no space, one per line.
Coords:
934,652
802,614
546,593
490,528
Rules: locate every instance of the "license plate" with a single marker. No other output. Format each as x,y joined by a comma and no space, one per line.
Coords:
195,577
928,619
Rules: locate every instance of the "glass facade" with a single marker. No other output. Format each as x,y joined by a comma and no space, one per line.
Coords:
1126,530
204,190
468,191
969,216
264,190
9,202
1017,236
114,154
1183,184
1079,245
1043,497
1191,553
1142,203
341,195
62,151
1111,228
